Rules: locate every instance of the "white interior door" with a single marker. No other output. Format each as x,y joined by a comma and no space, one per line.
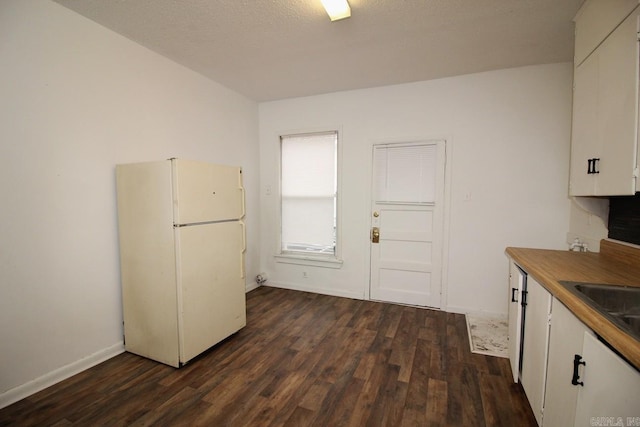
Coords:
407,215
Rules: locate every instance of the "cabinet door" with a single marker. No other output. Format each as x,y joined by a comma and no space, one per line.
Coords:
584,133
595,20
565,341
516,281
605,114
611,387
617,109
535,345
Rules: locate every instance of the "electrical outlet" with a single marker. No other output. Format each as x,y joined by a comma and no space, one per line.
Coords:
304,275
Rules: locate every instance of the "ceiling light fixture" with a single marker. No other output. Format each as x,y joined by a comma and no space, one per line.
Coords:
337,9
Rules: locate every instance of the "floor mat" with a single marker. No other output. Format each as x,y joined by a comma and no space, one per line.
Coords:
488,335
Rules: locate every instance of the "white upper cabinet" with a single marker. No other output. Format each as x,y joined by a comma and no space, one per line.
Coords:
595,21
604,146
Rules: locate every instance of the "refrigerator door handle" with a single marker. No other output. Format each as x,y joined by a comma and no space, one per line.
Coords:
244,236
244,248
243,202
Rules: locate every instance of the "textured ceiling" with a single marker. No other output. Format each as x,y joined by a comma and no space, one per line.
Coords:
274,49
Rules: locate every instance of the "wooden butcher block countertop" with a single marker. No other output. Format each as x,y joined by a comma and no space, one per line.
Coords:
616,264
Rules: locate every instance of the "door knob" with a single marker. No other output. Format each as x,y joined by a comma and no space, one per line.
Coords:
375,235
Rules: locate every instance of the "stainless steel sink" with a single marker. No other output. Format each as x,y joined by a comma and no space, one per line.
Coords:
620,304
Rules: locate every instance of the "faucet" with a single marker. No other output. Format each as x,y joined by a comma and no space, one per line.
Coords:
578,246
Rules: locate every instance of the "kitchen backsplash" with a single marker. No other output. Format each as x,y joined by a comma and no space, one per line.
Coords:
624,218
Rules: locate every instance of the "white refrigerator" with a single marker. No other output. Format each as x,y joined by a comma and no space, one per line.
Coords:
182,243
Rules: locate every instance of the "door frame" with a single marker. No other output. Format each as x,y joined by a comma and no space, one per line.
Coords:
444,274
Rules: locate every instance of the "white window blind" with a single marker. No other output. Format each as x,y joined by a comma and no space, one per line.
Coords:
309,192
405,174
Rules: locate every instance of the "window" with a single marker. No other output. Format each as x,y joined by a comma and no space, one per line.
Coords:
309,182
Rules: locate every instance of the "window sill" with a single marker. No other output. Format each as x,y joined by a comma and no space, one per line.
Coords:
316,261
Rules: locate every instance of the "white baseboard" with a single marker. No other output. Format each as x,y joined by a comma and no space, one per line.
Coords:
53,377
488,314
251,286
467,310
454,309
322,291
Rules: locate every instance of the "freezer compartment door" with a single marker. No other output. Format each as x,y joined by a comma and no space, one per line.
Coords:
205,192
211,288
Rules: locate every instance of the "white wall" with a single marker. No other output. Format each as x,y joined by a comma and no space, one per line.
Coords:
508,135
75,100
588,221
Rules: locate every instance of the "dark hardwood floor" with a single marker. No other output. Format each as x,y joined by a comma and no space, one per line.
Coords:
303,359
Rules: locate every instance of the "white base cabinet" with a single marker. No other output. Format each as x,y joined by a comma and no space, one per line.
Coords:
570,378
568,375
516,285
535,342
610,393
565,341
